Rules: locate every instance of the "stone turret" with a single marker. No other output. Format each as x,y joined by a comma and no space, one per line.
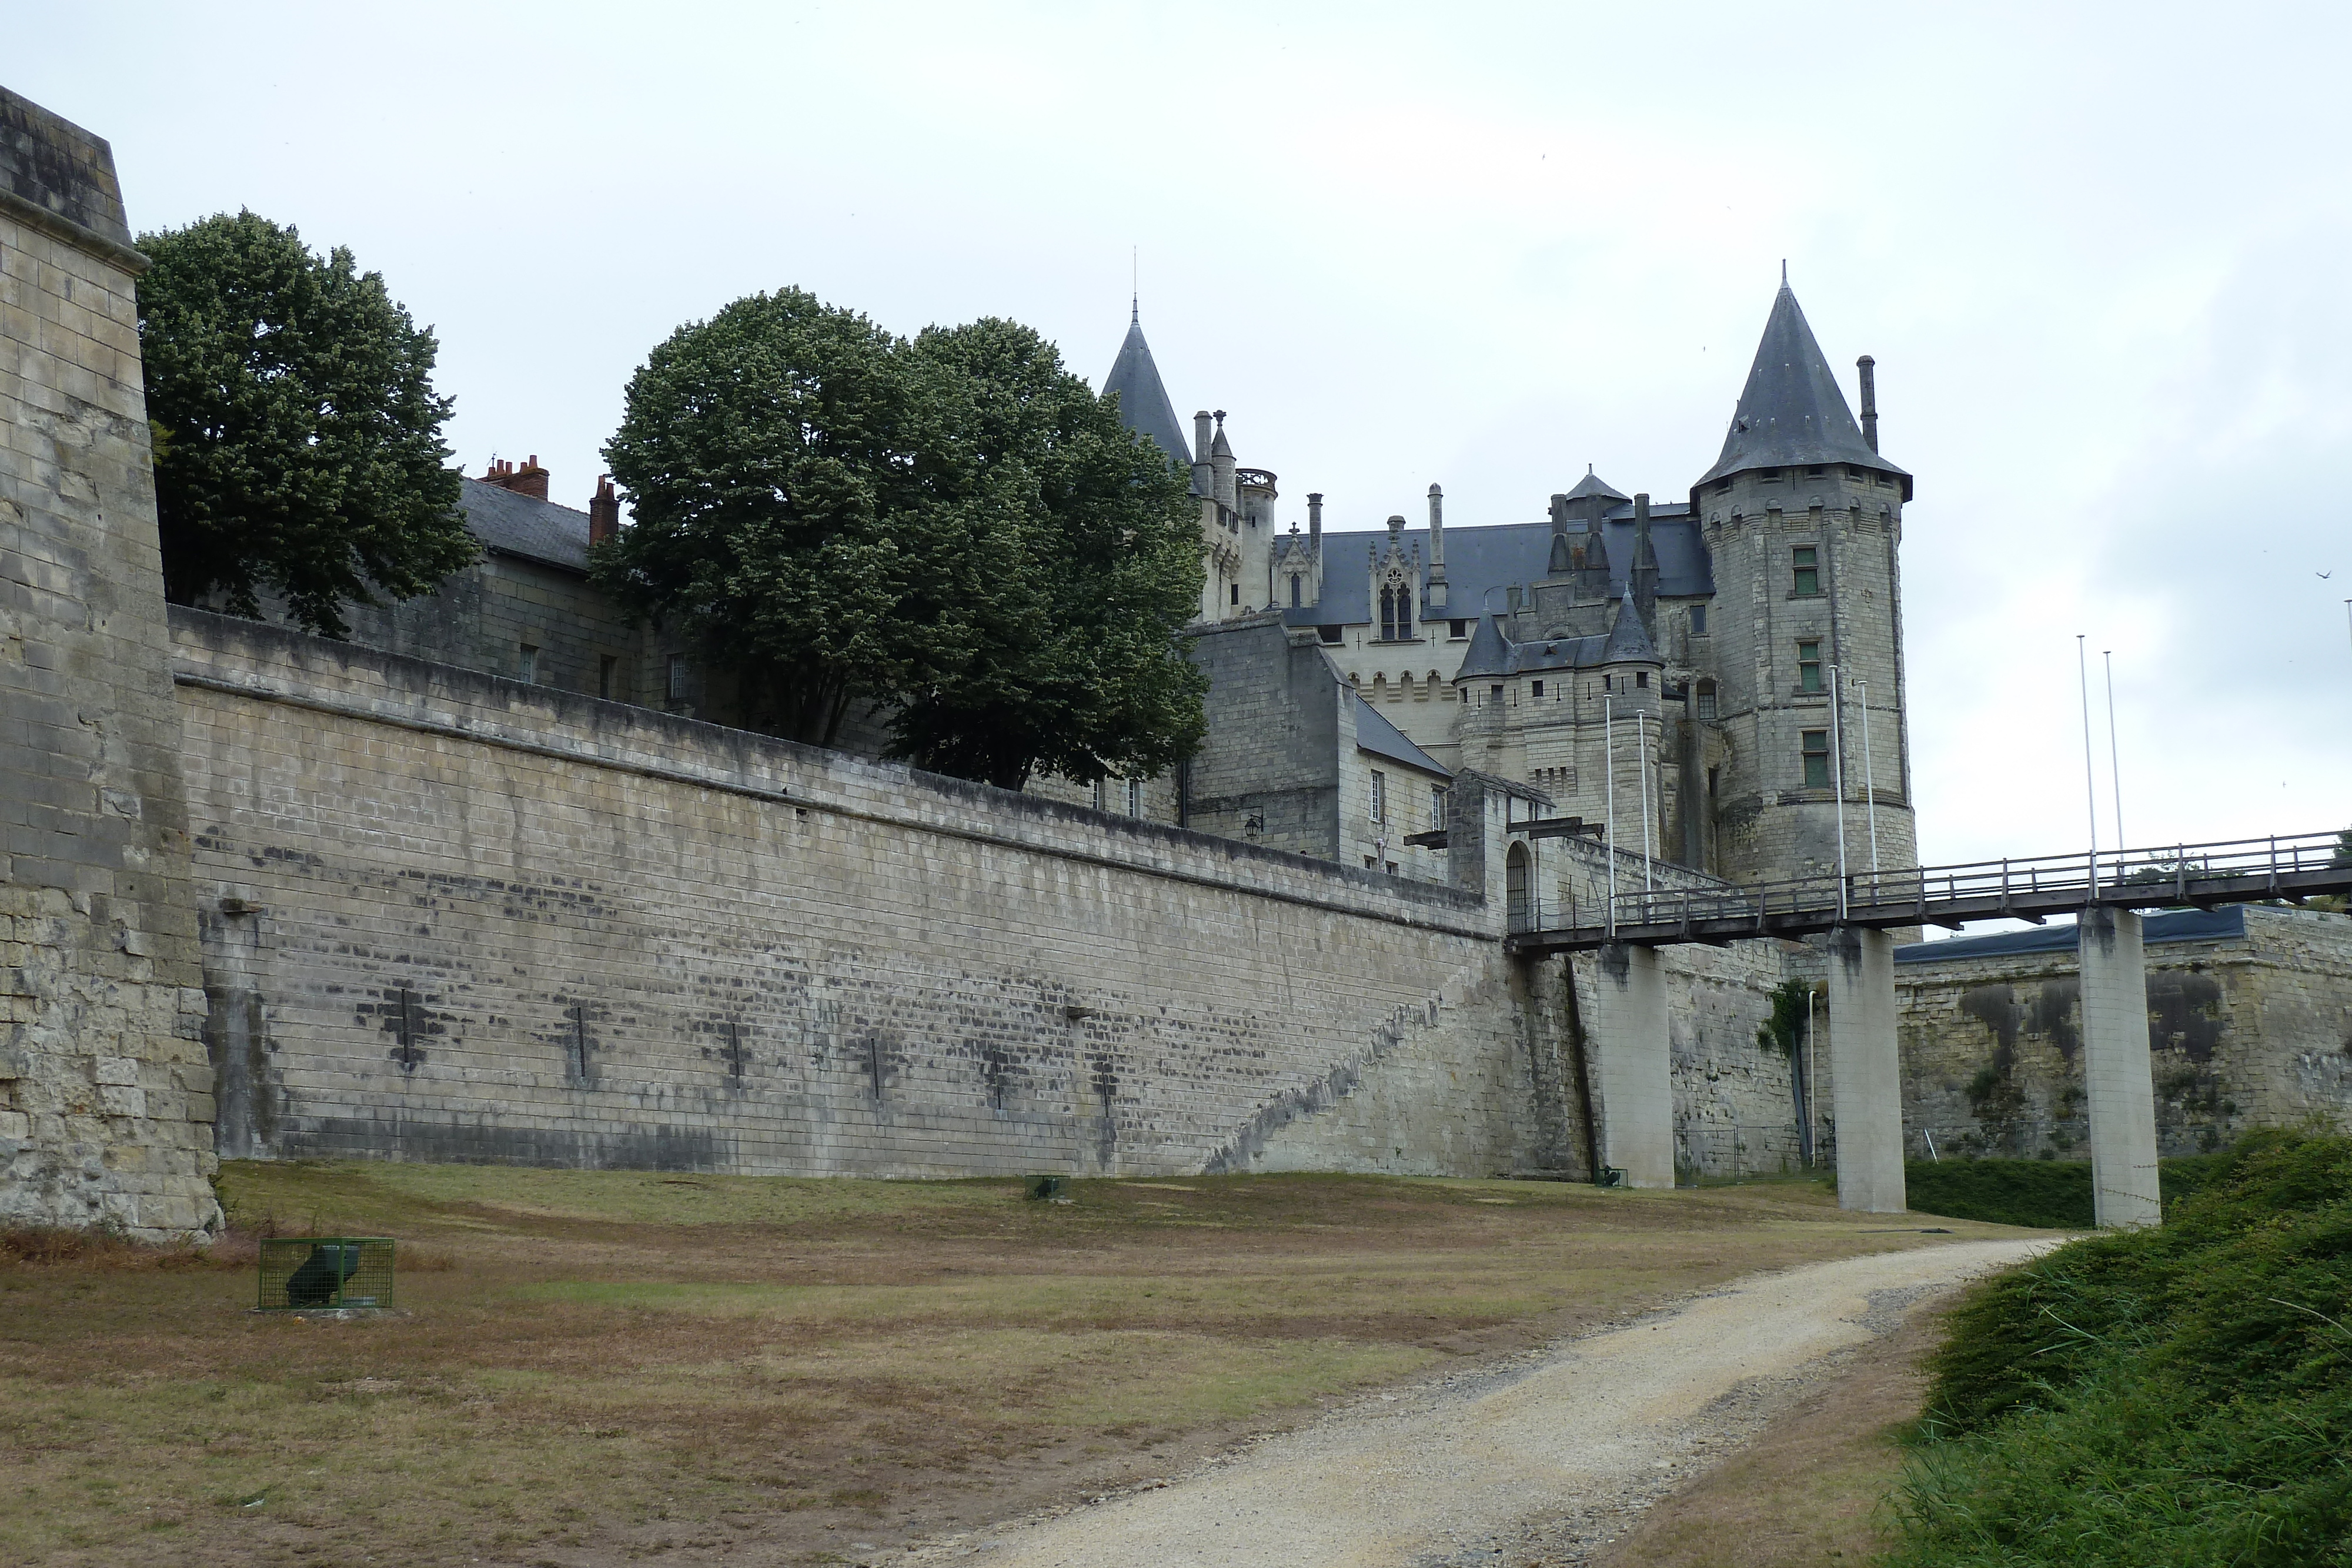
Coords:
1803,517
1143,405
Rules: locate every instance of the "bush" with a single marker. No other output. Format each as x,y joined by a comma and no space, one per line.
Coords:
2181,1396
2052,1193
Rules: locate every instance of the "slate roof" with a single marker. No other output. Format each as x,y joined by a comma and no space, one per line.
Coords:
1629,639
1482,560
1792,411
1593,484
2174,925
1381,738
1143,405
1493,653
526,527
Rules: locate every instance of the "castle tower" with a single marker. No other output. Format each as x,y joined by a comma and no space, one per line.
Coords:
1804,519
1143,405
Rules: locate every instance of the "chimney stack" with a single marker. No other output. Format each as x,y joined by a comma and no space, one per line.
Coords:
604,512
530,479
1869,367
1437,596
1314,518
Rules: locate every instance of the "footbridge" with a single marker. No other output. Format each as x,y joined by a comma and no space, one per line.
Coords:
2106,891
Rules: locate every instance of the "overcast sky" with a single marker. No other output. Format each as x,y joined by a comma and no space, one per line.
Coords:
2099,252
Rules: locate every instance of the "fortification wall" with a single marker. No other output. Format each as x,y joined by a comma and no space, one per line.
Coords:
105,1099
2250,1030
449,916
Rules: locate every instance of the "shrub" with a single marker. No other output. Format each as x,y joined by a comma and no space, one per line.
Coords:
2180,1395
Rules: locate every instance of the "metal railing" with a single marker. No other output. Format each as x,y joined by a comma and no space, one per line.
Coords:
2229,870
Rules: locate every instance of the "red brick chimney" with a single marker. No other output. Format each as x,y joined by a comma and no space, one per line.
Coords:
530,479
604,512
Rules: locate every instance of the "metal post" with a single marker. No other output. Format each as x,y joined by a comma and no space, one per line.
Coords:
1609,771
1642,738
2090,782
1869,789
1837,767
2115,757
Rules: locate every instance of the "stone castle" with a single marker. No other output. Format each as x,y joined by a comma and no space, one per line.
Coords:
495,881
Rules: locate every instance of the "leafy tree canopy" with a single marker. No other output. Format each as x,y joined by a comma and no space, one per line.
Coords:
298,437
955,527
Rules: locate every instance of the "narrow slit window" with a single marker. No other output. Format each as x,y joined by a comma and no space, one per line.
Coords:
607,666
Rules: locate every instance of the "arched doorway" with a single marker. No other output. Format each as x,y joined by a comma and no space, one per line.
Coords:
1516,878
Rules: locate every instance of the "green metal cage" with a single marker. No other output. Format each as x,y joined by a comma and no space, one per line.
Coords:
325,1273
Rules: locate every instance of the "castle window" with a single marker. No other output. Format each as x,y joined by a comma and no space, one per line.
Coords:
1698,620
1294,592
1102,795
1861,476
1713,777
1379,795
1804,561
1236,592
1135,797
1538,688
675,688
1494,694
1815,750
1457,630
1706,701
1396,614
1608,683
1721,486
1770,476
1330,633
1817,471
1437,806
526,665
1808,666
607,666
1641,678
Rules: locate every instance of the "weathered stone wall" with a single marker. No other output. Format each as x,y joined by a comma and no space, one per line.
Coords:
2247,1030
450,917
105,1098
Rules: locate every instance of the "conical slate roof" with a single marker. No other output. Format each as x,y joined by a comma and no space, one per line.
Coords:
1791,413
1143,405
1593,484
1489,652
1628,642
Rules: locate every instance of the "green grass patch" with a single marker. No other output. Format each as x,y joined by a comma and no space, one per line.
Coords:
2146,1399
2046,1195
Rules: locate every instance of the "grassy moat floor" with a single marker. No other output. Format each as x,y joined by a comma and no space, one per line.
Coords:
593,1367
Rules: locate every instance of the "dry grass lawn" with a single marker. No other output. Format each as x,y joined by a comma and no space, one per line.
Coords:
599,1367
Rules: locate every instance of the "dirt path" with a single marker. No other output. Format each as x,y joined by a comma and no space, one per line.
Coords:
1538,1461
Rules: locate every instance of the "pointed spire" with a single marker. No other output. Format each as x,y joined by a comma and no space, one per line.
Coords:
1629,642
1143,405
1791,413
1489,652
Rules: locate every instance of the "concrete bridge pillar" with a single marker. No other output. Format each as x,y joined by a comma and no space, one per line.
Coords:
1865,1071
2116,1070
1635,1078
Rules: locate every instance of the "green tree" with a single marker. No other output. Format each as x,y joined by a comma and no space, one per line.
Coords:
1082,674
300,443
955,529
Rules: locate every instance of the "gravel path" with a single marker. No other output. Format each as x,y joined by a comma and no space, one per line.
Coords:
1538,1460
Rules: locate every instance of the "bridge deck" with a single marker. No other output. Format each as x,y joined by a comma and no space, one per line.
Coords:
2243,871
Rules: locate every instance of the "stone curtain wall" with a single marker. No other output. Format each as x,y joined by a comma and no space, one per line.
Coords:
105,1098
448,917
2250,1032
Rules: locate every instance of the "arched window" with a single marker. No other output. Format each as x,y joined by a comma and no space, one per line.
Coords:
1294,591
1516,876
